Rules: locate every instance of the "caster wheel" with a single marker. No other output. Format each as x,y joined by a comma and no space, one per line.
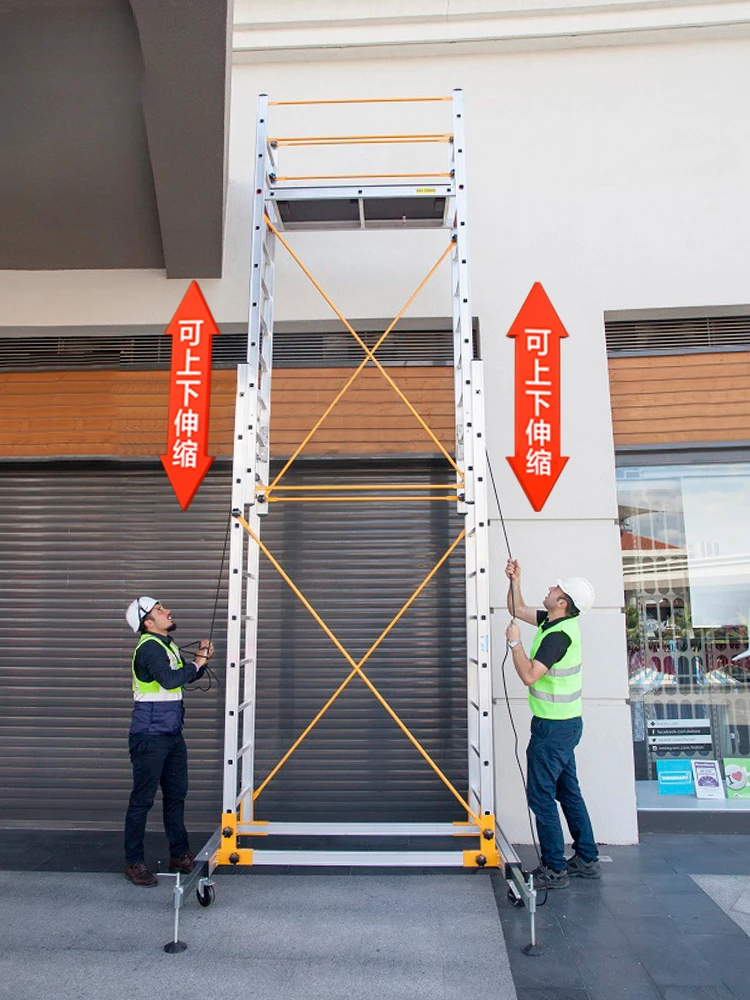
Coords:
513,899
206,897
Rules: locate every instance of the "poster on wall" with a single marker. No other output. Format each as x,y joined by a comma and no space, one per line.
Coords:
735,769
717,538
679,736
675,777
707,779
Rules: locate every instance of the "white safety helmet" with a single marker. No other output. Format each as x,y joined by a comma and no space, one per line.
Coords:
579,590
137,611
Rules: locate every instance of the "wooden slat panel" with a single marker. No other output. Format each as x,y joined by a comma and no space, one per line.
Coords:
680,398
112,413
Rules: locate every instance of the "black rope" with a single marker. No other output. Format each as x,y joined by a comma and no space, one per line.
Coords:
505,682
208,671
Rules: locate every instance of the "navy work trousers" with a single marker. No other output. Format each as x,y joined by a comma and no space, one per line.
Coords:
157,760
552,778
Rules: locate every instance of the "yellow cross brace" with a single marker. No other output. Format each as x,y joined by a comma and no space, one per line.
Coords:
357,669
369,356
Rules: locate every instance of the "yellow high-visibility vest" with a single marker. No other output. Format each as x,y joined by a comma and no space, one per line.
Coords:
557,694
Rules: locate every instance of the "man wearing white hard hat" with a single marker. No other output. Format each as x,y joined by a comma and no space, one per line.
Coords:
551,670
157,748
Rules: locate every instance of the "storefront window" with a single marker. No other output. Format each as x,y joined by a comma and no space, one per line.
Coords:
685,533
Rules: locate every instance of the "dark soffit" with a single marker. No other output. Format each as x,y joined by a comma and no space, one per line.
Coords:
113,117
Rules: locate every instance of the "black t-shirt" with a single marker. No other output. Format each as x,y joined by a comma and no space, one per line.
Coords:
152,664
553,647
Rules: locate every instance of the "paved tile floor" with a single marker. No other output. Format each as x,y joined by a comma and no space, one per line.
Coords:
731,893
669,921
93,936
661,923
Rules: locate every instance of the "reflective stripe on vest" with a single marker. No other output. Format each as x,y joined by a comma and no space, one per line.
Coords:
560,699
564,671
557,694
153,691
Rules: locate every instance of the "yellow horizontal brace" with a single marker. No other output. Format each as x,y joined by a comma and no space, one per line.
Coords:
346,177
361,100
371,499
357,667
357,486
369,355
363,135
358,140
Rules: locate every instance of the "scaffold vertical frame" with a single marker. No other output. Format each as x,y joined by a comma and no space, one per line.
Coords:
253,494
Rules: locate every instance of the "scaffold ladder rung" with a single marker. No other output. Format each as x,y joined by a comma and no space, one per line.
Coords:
345,859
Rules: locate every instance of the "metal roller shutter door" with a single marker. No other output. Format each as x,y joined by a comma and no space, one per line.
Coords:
80,540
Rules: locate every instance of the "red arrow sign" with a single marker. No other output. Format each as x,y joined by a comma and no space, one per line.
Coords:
537,462
192,330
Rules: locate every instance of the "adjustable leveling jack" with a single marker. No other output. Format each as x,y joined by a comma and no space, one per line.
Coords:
200,878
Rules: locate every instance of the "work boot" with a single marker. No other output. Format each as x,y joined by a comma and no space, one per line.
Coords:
139,874
548,878
584,869
182,863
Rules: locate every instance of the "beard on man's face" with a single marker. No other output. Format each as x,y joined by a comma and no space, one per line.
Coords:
172,626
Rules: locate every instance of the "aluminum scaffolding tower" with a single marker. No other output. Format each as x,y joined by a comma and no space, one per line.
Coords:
284,203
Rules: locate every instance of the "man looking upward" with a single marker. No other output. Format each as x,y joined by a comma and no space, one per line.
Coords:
551,670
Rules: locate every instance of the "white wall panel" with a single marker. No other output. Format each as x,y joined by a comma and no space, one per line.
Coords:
548,550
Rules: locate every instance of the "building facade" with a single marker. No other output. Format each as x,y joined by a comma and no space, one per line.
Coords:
607,159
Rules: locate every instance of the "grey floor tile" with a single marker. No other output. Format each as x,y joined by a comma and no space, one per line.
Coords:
599,935
737,983
639,863
730,957
326,979
671,883
697,993
739,842
624,990
464,978
98,976
608,964
697,914
632,900
725,890
551,993
669,956
553,968
743,903
709,861
97,937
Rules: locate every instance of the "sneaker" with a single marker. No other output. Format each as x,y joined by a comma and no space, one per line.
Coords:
584,869
139,874
548,878
182,863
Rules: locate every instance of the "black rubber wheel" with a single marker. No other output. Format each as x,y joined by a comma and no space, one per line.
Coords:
206,897
513,899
